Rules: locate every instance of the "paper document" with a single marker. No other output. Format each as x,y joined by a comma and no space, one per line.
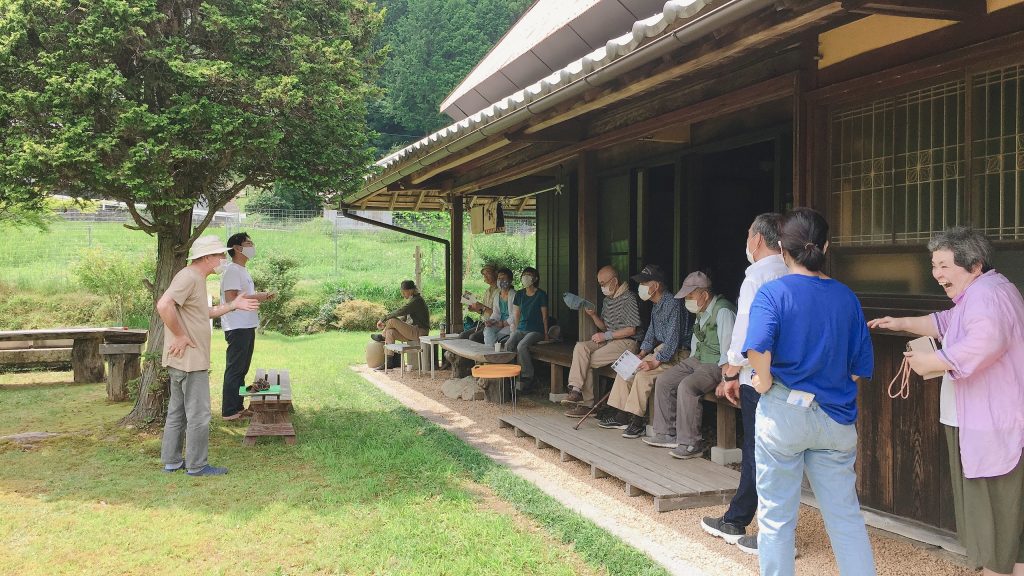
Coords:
574,302
468,299
626,365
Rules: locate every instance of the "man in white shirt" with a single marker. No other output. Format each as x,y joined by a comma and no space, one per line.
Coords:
240,325
766,264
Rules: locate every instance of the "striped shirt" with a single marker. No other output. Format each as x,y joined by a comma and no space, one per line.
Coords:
621,310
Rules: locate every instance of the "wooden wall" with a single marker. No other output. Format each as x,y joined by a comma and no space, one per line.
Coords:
556,254
902,464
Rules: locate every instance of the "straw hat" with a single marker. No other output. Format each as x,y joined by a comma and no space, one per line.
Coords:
205,246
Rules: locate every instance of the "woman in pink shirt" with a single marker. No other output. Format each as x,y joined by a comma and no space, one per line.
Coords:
983,394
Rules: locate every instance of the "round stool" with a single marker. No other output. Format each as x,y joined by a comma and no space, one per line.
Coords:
374,354
500,372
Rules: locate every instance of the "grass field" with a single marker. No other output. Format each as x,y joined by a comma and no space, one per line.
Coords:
366,265
370,488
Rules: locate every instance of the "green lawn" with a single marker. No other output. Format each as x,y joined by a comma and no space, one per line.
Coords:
370,488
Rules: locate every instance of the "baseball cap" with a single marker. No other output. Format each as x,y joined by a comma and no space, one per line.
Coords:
650,272
693,281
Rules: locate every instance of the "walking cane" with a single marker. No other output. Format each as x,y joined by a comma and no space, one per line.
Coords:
596,406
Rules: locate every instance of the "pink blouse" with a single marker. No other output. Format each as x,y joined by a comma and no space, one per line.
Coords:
983,340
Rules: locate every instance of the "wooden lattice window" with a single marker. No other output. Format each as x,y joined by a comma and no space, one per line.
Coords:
997,151
896,167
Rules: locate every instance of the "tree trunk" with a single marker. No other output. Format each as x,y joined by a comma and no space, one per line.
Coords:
171,249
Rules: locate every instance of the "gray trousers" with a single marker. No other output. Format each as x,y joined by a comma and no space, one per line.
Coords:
677,392
188,420
520,343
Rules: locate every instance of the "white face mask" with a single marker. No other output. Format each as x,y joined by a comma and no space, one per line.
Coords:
527,281
607,290
249,252
691,306
644,292
221,268
746,250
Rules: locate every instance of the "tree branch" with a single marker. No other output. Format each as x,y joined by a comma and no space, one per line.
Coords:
213,206
143,224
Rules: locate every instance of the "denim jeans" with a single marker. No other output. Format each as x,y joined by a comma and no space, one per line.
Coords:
790,439
520,343
744,503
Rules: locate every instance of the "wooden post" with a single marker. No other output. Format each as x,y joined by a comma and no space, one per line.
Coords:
457,269
586,239
86,360
418,256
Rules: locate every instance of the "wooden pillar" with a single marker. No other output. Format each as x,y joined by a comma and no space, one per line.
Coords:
586,239
457,265
86,360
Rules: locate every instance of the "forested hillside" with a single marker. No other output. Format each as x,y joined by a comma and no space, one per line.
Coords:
433,45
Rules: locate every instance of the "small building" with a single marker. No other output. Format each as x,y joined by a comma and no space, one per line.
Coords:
655,132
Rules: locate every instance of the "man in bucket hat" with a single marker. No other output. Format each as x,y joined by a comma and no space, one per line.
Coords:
186,355
662,348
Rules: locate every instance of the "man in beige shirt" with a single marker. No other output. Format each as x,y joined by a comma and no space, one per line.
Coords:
186,355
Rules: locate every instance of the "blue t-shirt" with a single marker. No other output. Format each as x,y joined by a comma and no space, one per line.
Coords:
530,317
816,332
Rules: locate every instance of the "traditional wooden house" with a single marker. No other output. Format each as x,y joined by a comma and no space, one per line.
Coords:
655,131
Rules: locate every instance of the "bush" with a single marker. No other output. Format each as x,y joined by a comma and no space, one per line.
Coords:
118,279
325,317
505,251
358,315
275,274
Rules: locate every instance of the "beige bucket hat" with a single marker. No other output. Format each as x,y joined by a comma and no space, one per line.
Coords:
205,246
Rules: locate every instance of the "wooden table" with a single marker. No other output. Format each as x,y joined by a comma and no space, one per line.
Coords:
430,342
476,351
271,409
86,359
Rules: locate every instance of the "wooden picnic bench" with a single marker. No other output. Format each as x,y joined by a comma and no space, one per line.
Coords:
559,356
271,409
79,346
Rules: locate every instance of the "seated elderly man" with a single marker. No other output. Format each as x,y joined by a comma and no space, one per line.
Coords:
677,391
394,325
617,325
661,349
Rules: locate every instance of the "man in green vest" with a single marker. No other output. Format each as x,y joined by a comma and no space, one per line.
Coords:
677,411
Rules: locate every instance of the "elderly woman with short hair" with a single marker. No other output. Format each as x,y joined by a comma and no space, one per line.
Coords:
982,397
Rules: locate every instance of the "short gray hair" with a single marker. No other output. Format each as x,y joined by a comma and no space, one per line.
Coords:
768,225
969,247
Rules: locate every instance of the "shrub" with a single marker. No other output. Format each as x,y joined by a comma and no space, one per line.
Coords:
358,315
118,279
30,310
275,274
505,250
325,317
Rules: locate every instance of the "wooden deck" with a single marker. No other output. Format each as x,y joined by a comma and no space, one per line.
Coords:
674,484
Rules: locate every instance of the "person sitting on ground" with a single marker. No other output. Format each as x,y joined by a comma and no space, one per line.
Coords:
530,317
394,326
618,325
677,392
766,264
661,349
499,326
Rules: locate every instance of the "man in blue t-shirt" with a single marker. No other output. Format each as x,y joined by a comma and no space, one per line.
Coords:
530,317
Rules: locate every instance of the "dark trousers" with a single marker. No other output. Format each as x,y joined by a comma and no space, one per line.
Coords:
744,504
241,342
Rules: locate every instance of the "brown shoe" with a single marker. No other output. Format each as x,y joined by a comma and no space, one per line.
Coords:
574,397
578,411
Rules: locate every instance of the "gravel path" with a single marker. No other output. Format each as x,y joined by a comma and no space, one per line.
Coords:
674,539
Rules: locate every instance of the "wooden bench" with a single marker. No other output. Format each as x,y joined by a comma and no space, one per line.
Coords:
122,350
559,355
271,410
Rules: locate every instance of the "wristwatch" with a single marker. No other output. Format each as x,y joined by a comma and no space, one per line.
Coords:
732,378
609,335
